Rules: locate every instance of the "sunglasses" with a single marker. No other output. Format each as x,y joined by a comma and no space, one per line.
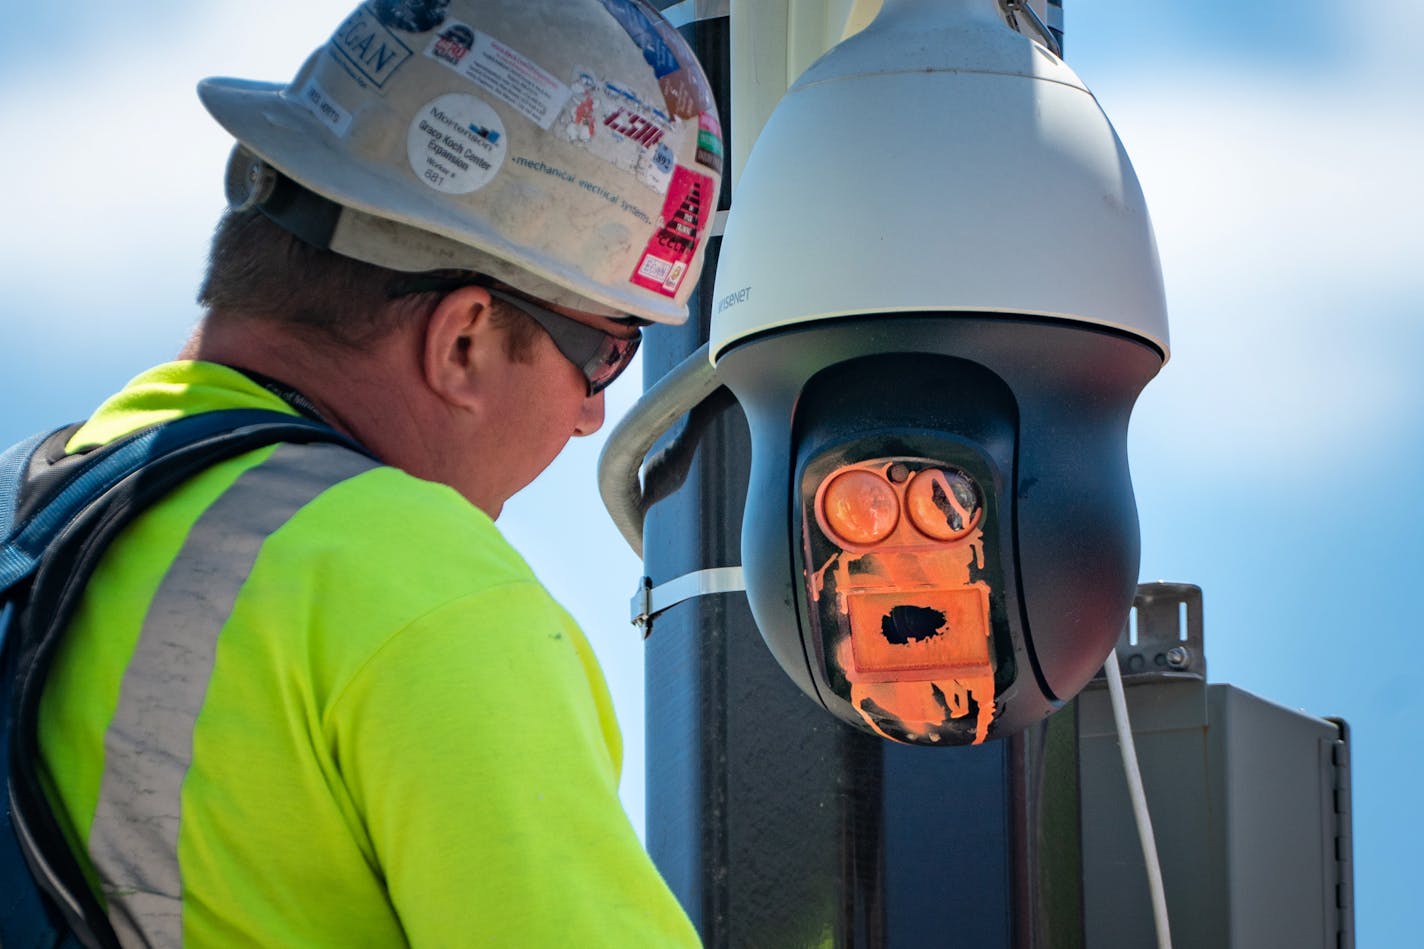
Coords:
599,355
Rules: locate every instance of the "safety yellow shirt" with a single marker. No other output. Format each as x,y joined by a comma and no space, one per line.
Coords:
311,701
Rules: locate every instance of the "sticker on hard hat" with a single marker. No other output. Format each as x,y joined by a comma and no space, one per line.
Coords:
686,211
709,141
414,16
324,107
366,49
505,72
684,90
456,143
643,31
613,123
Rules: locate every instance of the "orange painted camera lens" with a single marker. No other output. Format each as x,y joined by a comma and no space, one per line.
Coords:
944,503
859,507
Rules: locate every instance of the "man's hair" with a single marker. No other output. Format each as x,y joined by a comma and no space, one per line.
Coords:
259,270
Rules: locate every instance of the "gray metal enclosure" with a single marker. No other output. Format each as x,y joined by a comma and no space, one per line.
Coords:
1250,803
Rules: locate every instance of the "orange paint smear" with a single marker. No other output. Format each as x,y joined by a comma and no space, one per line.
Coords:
958,643
919,713
816,582
934,677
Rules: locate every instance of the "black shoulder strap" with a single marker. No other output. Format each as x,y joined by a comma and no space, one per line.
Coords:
60,522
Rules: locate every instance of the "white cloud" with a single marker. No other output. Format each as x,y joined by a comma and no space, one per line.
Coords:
1287,218
118,165
1258,186
114,180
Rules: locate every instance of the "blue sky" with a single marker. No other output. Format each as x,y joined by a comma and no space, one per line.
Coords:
1276,458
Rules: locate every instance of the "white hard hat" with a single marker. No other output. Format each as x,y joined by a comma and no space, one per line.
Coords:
570,148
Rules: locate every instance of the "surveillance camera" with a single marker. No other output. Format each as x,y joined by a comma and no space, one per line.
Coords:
937,300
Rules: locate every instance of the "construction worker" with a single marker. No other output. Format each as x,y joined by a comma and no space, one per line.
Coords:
312,699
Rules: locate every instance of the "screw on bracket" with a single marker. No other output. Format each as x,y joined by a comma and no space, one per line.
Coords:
1163,635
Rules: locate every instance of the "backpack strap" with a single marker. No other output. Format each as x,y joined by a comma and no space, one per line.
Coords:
14,463
58,517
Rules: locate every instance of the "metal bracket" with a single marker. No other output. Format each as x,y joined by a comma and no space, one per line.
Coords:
1013,7
1164,634
651,600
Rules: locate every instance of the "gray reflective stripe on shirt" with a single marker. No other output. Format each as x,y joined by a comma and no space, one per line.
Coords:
148,748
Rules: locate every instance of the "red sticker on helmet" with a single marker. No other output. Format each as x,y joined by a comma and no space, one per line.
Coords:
687,208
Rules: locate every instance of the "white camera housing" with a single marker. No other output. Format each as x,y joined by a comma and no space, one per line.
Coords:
938,161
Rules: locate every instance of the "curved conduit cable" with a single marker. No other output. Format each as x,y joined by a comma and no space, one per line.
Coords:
682,389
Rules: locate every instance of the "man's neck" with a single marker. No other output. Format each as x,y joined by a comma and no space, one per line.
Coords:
378,394
355,391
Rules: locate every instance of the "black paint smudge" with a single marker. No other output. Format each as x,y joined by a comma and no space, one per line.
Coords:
904,623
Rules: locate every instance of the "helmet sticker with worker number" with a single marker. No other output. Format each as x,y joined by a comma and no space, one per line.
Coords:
456,143
686,212
613,123
413,16
501,70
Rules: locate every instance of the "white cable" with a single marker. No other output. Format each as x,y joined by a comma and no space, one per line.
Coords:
1139,802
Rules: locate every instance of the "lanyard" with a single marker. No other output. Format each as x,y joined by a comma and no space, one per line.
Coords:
284,392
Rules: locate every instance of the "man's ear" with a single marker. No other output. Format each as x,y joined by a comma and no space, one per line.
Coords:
462,343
